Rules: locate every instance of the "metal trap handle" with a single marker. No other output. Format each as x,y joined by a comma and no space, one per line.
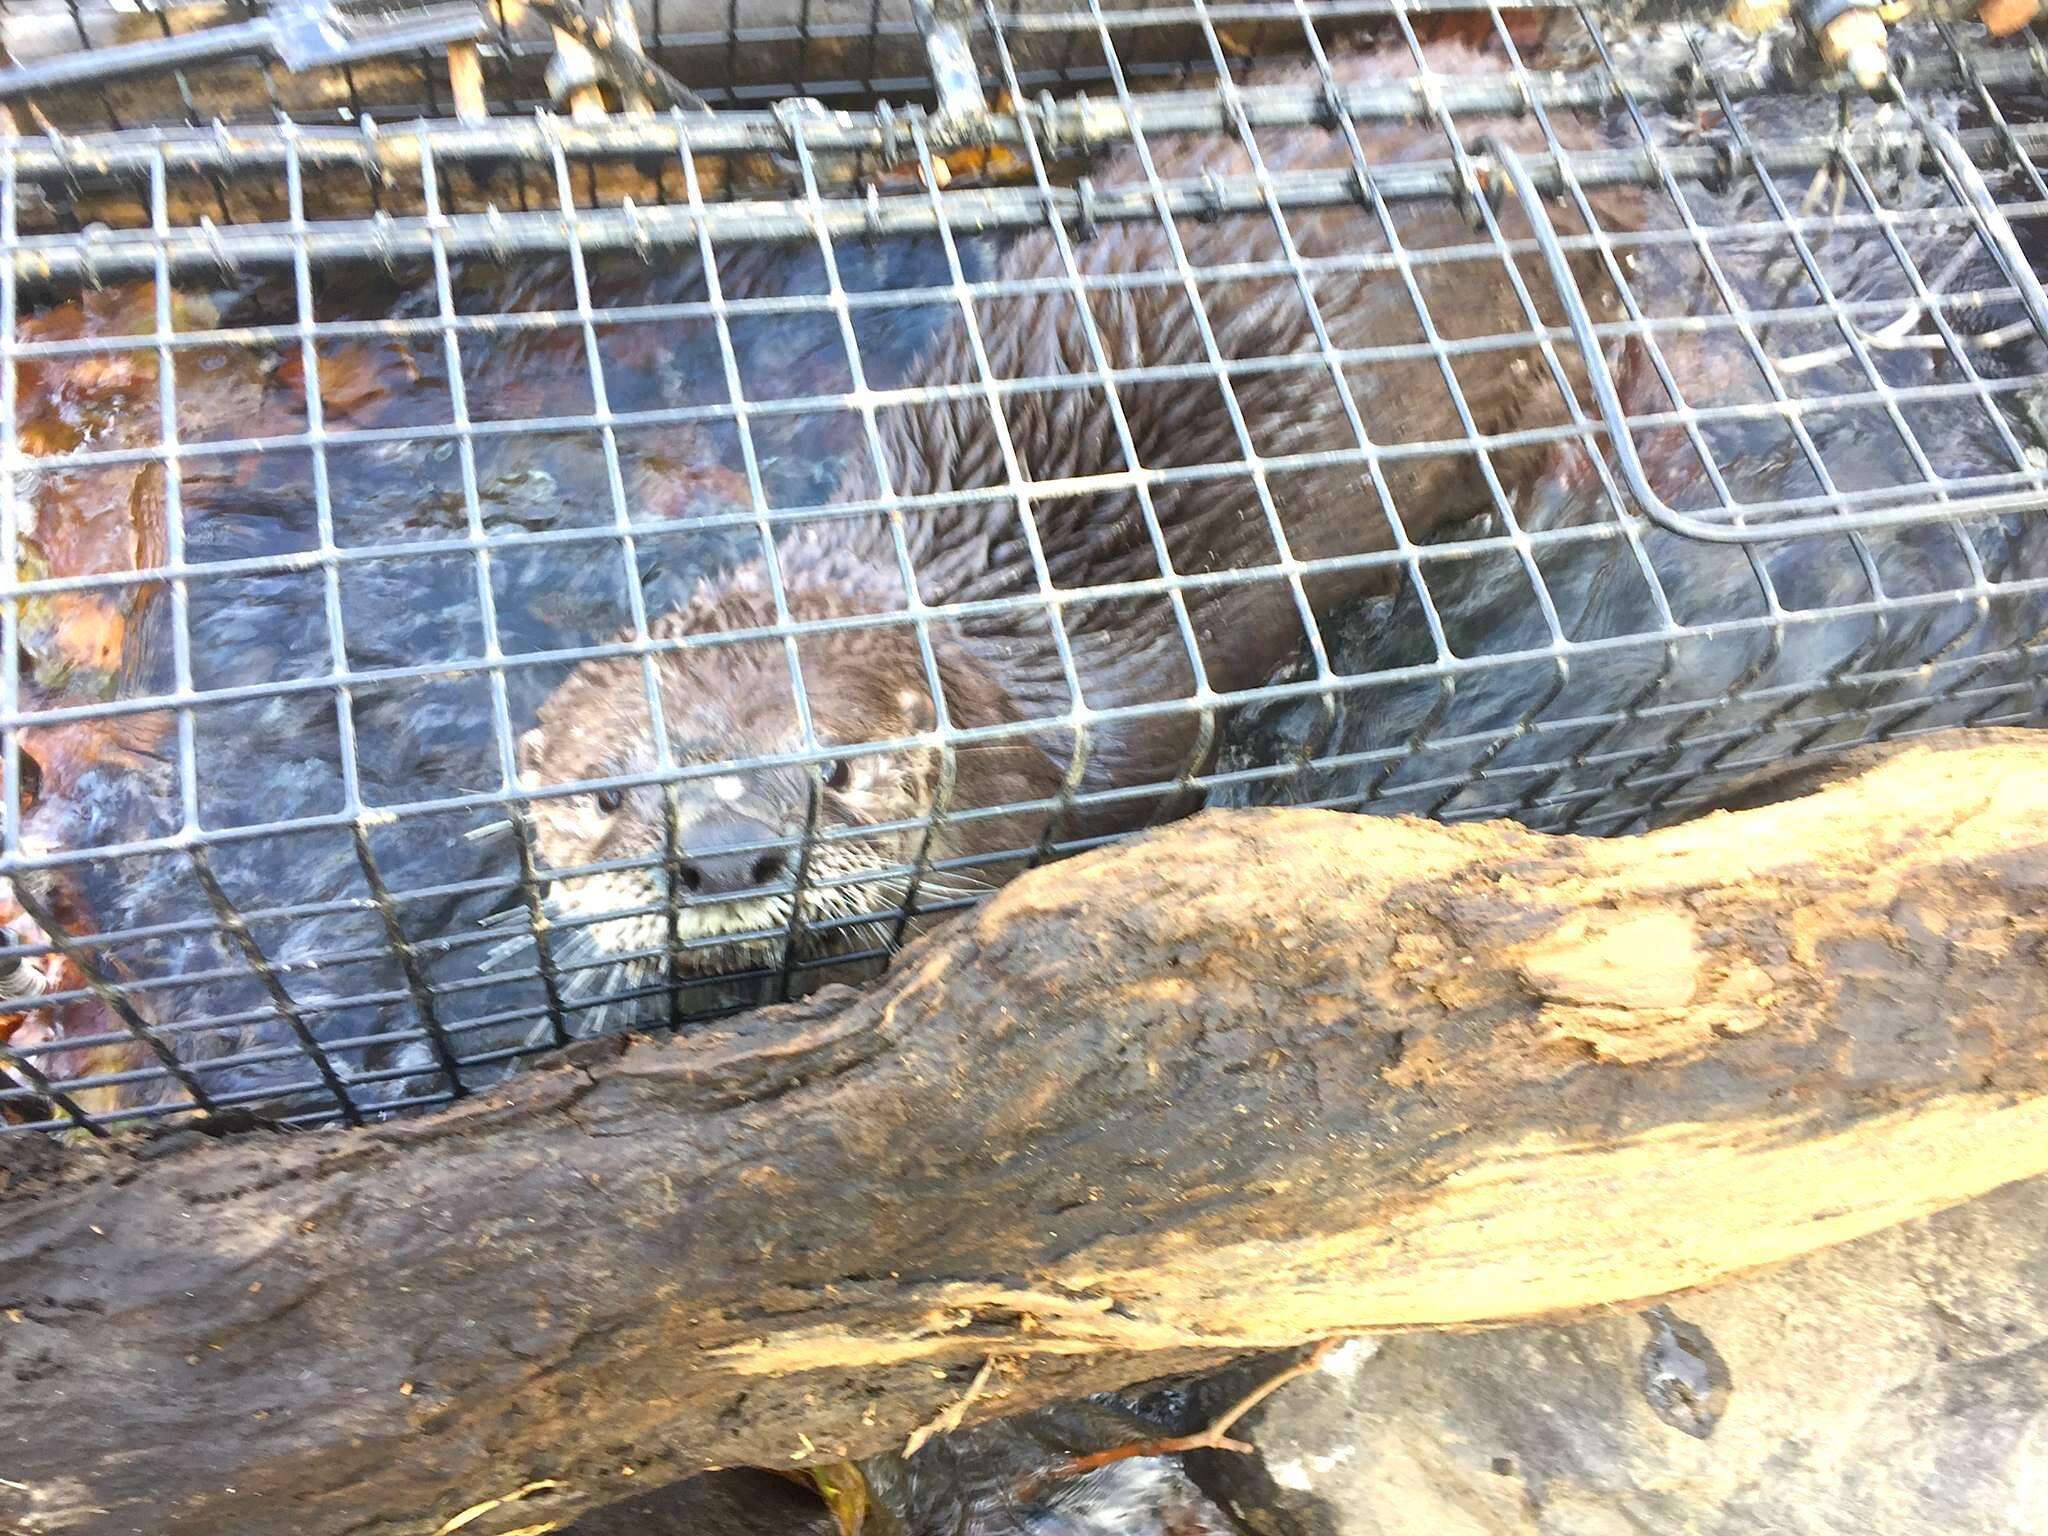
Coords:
300,34
1968,184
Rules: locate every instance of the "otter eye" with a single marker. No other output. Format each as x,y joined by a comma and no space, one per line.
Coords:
838,774
609,800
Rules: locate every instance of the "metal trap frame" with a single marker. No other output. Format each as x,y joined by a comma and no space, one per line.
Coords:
1820,481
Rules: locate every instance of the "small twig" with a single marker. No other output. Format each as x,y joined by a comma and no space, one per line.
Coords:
1215,1438
1894,335
1884,341
947,1419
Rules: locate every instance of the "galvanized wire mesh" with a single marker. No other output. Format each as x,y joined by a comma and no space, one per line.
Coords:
333,447
738,52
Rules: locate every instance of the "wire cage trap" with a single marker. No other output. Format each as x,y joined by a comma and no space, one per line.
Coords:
542,519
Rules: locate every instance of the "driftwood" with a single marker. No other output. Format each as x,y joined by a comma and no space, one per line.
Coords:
1246,1082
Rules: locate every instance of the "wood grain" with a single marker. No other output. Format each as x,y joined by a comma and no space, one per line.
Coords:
1241,1083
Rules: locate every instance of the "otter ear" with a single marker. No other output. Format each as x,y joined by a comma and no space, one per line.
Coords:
527,758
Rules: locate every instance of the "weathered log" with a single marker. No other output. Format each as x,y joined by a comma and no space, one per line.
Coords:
1245,1082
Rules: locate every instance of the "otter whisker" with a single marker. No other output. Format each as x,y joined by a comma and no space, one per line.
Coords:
891,902
940,886
897,889
877,935
947,877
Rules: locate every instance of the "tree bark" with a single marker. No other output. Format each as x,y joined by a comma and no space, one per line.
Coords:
1245,1082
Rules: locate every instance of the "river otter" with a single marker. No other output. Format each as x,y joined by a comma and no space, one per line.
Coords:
1002,664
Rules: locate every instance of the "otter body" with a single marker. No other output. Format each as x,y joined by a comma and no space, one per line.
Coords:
1788,647
1062,453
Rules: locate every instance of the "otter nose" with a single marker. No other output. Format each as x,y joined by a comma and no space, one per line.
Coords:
718,858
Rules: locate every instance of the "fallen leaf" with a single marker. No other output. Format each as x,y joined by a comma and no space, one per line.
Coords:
845,1492
479,1510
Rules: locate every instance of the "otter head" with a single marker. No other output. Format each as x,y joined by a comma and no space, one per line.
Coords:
729,710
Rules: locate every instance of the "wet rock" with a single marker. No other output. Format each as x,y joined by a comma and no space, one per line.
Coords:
1003,1479
1008,1477
1897,1386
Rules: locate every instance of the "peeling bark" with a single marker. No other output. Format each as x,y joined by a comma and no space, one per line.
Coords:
1245,1082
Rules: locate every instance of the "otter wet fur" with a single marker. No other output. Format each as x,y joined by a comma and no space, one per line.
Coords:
972,815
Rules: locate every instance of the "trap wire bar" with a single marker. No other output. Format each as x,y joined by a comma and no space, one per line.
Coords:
189,938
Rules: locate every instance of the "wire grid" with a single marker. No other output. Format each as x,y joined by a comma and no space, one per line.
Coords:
734,53
253,880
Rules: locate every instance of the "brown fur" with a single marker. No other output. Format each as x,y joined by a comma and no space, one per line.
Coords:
728,700
727,703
